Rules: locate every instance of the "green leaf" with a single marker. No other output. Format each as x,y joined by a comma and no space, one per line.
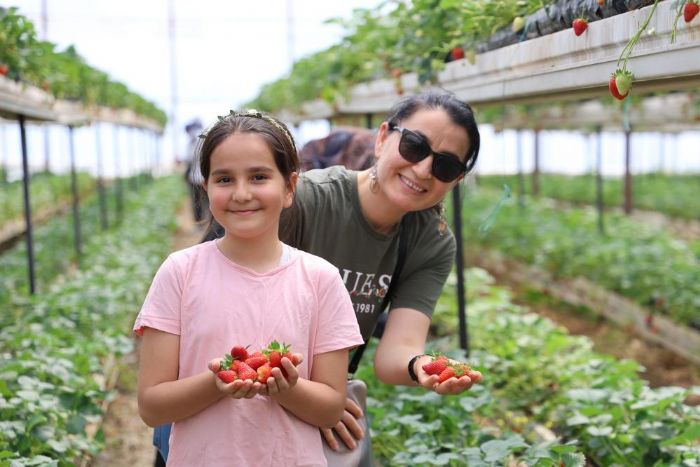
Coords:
689,436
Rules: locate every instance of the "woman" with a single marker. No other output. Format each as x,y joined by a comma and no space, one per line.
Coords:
427,144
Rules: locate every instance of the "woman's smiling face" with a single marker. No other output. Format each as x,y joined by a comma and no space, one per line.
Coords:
412,187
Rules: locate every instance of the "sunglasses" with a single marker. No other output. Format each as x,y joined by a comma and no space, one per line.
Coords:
414,148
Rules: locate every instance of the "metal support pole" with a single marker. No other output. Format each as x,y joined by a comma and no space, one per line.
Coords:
521,175
28,233
100,179
600,207
628,173
117,177
368,121
536,170
76,199
459,262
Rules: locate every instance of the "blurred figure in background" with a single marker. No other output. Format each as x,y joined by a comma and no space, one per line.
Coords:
347,146
193,176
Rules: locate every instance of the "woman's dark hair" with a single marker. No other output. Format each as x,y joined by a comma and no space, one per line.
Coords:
460,113
274,132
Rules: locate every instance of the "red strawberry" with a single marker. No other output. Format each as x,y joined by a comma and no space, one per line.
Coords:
4,69
227,376
264,372
238,352
436,365
456,53
275,359
612,85
245,371
256,362
690,10
446,374
580,25
294,358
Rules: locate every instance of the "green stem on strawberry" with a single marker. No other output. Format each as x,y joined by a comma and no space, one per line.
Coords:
627,50
681,4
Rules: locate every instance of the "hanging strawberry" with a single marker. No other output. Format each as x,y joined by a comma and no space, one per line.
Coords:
690,10
620,83
580,25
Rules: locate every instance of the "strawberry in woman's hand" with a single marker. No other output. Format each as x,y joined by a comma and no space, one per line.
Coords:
436,366
227,376
238,352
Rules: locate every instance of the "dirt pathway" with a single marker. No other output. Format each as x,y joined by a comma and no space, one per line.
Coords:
127,438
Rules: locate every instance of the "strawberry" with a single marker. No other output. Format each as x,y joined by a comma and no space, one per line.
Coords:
436,366
623,81
239,352
274,353
690,10
580,25
245,371
613,84
227,376
4,69
446,374
256,362
294,358
518,24
456,53
264,372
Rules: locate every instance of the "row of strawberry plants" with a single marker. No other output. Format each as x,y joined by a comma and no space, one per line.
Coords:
55,345
535,375
24,57
633,259
54,246
46,189
673,195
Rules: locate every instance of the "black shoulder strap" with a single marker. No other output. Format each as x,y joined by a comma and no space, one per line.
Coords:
403,247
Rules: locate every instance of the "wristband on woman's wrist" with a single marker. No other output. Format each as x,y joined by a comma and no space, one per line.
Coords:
411,370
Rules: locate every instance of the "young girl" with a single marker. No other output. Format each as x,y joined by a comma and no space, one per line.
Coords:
246,288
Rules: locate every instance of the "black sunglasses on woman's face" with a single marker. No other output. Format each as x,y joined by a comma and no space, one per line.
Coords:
414,148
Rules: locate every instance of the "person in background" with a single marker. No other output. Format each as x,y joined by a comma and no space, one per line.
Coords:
350,147
206,298
427,144
193,176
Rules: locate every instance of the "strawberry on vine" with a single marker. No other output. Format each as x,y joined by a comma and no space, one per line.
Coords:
620,83
579,25
690,10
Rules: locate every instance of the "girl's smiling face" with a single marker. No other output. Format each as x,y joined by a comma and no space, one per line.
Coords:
246,190
412,187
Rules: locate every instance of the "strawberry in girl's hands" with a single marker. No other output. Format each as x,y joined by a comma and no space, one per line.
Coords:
258,367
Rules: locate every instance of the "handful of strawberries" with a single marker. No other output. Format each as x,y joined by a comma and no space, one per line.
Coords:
447,368
256,366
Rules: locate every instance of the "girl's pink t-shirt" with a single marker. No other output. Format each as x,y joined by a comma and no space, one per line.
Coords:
212,304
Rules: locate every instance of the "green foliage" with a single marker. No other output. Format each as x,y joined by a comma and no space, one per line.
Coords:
673,195
395,37
55,345
632,259
63,73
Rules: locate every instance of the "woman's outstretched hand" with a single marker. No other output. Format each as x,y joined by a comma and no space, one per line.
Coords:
448,387
348,428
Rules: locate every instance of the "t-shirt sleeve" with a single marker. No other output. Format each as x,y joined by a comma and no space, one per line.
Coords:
424,275
161,308
337,325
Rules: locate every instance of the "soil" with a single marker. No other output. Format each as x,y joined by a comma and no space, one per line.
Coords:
128,441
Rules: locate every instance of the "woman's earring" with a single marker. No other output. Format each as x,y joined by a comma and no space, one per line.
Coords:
373,180
442,225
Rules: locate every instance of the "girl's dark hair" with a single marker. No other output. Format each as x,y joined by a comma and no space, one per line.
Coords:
273,131
460,113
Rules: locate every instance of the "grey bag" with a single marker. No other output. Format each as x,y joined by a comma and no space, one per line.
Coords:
361,456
